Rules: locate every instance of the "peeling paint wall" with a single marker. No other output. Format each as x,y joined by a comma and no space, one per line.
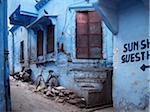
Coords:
19,35
131,84
4,69
65,13
10,48
2,72
62,13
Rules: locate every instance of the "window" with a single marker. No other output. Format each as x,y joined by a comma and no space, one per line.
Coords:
21,51
88,35
21,29
50,38
39,43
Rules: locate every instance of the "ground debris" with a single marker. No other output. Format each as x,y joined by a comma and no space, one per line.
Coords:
54,92
24,75
25,100
60,100
63,95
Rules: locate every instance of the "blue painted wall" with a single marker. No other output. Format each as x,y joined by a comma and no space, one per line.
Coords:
62,14
131,91
15,40
4,70
129,23
131,84
2,90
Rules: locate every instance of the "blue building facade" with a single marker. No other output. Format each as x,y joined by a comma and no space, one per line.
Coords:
48,35
129,22
129,42
127,47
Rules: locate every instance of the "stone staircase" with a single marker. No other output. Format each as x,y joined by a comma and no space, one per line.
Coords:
91,83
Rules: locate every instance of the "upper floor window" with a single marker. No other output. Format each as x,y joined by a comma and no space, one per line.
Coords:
50,38
88,35
21,51
40,35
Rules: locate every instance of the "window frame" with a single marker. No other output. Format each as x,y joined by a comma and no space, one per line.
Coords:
88,36
22,52
40,40
50,41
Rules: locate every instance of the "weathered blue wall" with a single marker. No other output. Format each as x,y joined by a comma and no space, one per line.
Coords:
65,12
2,88
62,14
131,84
4,71
10,56
18,35
131,91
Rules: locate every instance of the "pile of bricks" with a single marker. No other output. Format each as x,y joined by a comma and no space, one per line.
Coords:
63,95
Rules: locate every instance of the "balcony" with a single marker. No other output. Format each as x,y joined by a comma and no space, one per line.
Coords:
22,17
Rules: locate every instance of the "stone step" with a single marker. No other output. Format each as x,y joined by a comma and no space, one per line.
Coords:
88,88
89,79
91,69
